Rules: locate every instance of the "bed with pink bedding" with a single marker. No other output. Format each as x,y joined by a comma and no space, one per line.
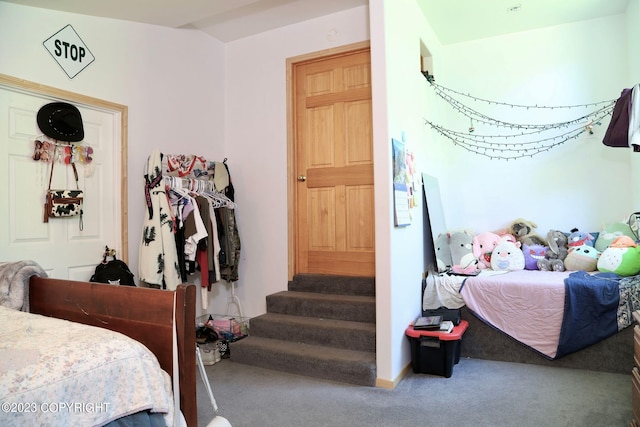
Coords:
553,313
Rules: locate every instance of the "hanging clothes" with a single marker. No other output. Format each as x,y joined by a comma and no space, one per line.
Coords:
158,260
212,244
230,244
190,222
617,134
185,165
195,232
634,119
227,227
178,209
214,274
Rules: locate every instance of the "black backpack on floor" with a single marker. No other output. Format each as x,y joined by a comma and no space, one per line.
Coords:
115,272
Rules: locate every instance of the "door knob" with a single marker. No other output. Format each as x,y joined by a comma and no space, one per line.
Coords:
302,178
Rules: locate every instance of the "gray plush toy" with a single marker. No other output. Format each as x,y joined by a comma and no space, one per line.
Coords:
443,252
462,258
558,249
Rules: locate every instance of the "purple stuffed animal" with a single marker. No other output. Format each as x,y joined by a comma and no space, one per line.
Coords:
533,254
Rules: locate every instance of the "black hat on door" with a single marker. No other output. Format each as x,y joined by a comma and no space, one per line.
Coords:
61,121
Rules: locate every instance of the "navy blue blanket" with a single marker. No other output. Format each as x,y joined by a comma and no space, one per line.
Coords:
591,306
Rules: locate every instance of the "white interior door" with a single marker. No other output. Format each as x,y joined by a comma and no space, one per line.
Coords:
59,246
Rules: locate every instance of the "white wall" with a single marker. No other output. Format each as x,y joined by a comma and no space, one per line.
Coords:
400,100
174,94
256,135
632,27
581,183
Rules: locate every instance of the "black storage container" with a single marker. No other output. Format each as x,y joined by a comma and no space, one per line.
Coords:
435,352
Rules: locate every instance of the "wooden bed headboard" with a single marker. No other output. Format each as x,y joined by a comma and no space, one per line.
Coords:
143,314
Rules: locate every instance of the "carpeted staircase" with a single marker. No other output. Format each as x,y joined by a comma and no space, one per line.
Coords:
323,326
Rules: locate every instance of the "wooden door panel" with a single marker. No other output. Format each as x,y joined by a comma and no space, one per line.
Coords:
341,263
325,177
334,154
358,131
319,83
321,216
361,94
359,221
357,76
319,137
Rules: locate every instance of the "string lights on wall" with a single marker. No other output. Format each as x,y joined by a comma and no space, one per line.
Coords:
515,140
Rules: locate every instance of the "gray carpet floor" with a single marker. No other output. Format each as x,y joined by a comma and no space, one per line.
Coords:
479,393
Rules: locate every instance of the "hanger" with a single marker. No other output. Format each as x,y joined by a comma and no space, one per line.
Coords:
175,186
187,187
221,199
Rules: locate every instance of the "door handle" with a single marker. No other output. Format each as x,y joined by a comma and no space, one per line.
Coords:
302,178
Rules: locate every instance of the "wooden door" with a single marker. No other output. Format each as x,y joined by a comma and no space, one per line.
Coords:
62,249
334,207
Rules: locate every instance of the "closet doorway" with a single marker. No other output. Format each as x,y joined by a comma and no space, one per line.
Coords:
331,197
62,249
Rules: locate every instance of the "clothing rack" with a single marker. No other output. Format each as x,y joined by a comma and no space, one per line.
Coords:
192,174
234,300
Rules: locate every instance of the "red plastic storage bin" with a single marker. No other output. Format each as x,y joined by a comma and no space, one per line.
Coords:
434,352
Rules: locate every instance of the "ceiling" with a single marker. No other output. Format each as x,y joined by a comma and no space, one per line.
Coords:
227,20
462,20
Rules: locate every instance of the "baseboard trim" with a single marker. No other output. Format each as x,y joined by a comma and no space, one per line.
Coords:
388,384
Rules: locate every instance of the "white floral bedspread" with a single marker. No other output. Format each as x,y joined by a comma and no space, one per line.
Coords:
59,373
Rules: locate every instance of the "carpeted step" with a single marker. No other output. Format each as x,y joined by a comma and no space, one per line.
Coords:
354,367
329,284
328,306
323,326
342,334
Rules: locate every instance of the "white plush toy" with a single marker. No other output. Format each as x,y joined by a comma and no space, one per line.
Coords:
507,257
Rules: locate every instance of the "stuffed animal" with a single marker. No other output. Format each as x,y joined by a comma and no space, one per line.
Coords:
623,242
621,257
507,257
583,257
578,238
524,231
462,259
505,235
483,245
533,254
609,234
443,252
555,256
